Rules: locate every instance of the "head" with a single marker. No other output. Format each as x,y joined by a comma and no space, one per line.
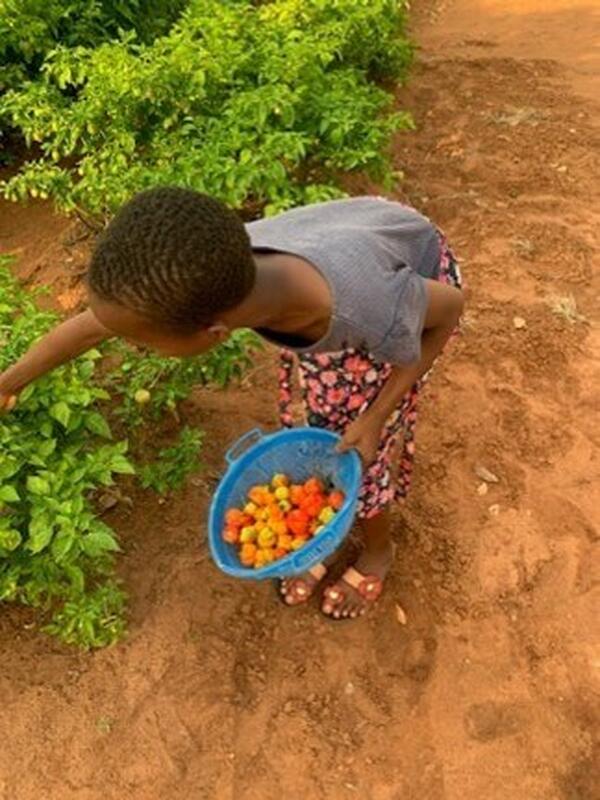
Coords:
168,266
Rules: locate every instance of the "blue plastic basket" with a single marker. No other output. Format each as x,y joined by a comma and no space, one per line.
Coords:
300,453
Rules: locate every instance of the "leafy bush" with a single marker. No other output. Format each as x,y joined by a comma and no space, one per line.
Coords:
259,103
170,380
55,451
30,29
174,463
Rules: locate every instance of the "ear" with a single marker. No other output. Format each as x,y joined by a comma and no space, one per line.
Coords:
219,331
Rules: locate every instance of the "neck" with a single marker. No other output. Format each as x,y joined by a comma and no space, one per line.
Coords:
289,296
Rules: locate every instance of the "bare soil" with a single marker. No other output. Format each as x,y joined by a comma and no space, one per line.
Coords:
490,690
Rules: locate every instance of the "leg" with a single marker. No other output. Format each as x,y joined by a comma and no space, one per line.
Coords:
345,598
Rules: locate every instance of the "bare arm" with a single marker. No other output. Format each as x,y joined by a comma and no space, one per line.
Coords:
443,313
63,343
445,307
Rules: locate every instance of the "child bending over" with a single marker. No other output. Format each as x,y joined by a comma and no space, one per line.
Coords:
362,293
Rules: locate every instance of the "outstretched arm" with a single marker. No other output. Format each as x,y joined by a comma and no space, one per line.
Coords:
63,343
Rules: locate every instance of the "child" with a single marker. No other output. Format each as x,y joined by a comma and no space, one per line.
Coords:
364,291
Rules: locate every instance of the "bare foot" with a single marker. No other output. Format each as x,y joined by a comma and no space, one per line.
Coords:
360,585
300,588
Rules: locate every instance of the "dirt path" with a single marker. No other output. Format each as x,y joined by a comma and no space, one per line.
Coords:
491,690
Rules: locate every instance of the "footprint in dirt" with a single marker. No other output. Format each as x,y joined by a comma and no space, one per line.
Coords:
419,658
487,721
414,654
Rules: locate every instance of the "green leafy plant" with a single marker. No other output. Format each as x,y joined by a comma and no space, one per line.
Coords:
149,385
30,29
174,463
55,451
259,103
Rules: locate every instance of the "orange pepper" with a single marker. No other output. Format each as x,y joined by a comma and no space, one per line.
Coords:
248,554
336,500
296,494
313,485
297,522
313,504
231,535
257,495
275,513
234,518
285,541
279,526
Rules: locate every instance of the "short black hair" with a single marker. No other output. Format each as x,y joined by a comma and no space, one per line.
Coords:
174,255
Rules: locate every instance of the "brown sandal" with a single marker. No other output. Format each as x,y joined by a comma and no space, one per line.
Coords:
300,589
369,587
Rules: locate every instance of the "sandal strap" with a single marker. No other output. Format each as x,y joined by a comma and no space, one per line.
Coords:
300,588
368,586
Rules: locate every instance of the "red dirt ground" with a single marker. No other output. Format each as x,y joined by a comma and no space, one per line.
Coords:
490,691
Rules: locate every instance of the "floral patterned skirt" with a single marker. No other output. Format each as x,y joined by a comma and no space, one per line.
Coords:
339,387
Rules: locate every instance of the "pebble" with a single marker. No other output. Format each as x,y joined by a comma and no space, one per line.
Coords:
519,323
107,501
482,489
401,615
486,475
494,510
288,707
349,688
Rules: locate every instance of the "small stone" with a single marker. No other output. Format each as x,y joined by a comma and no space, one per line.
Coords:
401,615
349,688
486,475
107,501
519,323
482,489
246,608
288,707
417,583
562,168
105,724
494,510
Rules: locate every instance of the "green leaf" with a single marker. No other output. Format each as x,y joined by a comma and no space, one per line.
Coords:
96,423
10,539
121,465
61,412
99,542
37,485
76,576
8,494
40,534
62,543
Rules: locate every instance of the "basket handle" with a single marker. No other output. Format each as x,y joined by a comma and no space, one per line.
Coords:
243,443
